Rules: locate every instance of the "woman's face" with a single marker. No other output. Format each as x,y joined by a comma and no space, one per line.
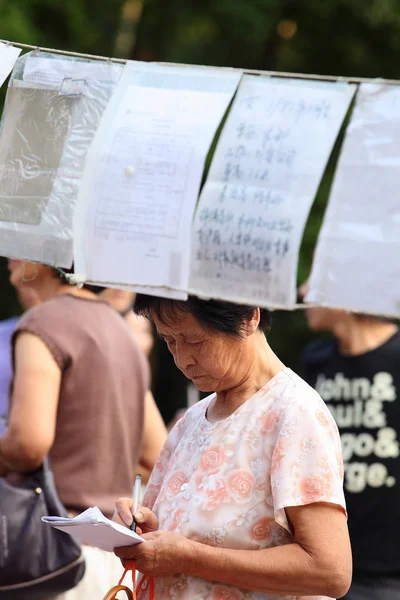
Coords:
28,274
120,300
319,318
213,360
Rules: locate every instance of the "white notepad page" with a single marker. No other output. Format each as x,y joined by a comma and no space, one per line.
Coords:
94,528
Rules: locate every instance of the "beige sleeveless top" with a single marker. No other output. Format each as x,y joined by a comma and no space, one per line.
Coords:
101,403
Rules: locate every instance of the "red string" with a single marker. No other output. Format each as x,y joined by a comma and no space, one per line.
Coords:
130,566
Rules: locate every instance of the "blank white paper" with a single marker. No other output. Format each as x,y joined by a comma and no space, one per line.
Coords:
357,259
142,177
8,56
265,173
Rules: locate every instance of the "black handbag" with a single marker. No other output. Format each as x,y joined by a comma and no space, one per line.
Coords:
36,560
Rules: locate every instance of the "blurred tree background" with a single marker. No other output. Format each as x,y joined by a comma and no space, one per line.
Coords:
335,37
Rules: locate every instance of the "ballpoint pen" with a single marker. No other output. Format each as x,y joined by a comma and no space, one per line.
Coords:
135,497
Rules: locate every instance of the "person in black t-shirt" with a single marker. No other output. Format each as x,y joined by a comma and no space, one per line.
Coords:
357,373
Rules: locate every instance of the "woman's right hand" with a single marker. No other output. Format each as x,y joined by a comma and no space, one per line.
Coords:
146,520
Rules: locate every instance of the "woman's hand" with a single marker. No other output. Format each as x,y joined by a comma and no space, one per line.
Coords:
145,518
163,554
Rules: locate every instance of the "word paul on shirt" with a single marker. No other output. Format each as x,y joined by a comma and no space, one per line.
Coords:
359,406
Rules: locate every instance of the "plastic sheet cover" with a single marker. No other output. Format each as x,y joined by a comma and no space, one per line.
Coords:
52,110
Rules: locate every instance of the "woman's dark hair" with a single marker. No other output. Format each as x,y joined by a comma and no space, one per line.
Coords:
217,315
60,273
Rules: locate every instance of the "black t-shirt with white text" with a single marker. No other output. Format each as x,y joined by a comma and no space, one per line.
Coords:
363,394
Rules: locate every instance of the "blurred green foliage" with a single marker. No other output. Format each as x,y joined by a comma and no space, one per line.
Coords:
339,37
77,25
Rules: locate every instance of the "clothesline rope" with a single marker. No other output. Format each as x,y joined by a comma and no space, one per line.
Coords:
284,74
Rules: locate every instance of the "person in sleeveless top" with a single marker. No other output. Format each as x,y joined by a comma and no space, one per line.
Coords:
246,499
80,394
26,298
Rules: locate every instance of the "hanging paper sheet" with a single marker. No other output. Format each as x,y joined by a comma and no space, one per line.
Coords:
52,110
142,177
265,173
8,56
357,259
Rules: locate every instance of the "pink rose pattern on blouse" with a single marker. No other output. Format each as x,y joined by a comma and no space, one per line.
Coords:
227,484
261,531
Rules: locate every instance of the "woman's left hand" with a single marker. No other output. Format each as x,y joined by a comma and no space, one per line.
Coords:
164,553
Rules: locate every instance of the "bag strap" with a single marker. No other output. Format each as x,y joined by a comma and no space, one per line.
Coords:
112,594
131,566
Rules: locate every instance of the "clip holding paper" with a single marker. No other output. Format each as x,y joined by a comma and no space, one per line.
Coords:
129,171
72,278
75,279
72,87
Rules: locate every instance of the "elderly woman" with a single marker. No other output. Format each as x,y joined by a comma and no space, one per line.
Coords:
245,501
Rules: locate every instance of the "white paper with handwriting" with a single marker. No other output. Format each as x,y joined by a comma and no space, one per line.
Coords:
142,176
264,175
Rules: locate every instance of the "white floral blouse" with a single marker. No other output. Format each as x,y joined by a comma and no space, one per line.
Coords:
227,484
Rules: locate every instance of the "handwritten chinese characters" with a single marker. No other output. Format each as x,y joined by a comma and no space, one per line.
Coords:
263,178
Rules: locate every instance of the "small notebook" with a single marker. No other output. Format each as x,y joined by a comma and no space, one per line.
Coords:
94,528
